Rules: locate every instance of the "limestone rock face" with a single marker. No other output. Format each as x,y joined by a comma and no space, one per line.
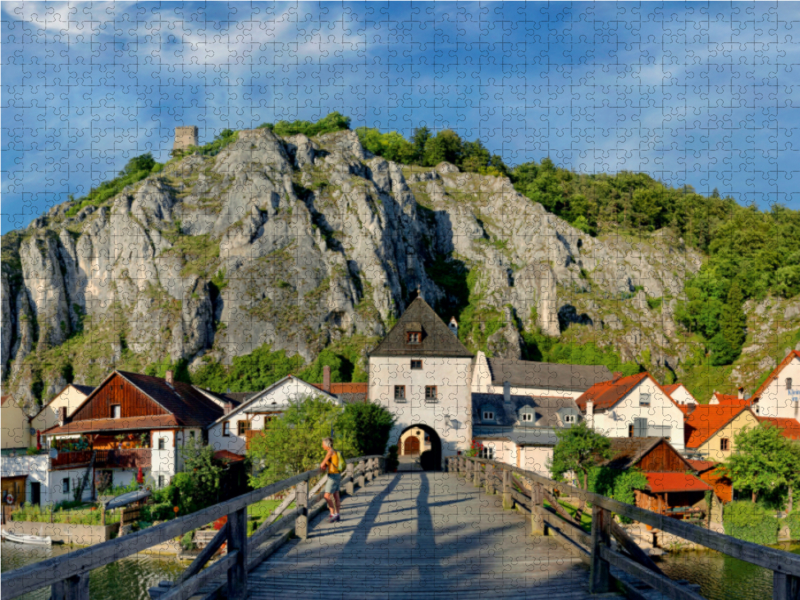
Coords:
299,242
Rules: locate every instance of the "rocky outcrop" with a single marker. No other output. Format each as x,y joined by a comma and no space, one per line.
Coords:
297,242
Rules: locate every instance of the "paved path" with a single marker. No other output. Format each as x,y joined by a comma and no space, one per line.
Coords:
417,536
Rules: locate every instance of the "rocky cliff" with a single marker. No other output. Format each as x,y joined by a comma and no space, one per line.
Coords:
300,242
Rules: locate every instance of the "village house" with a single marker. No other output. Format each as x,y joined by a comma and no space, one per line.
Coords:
421,373
61,406
672,487
129,422
707,470
633,406
16,425
779,395
679,393
529,378
232,432
711,429
521,430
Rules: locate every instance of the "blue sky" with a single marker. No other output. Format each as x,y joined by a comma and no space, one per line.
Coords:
697,93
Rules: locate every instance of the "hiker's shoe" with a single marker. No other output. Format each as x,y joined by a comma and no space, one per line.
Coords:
336,519
331,519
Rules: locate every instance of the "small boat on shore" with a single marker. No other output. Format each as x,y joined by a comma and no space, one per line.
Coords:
33,540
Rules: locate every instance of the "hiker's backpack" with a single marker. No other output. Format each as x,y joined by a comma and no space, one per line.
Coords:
341,465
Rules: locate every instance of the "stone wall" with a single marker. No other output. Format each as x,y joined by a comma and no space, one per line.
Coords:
185,137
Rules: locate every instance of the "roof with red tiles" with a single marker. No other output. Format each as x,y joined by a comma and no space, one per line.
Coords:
124,424
701,466
790,427
732,400
227,456
607,393
675,482
707,419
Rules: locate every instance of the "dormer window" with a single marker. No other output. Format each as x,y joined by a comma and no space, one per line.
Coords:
527,417
488,415
569,418
413,337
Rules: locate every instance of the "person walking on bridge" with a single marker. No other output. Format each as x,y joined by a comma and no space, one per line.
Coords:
334,464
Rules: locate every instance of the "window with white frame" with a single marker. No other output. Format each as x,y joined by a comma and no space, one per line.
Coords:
644,399
488,415
162,443
527,417
569,418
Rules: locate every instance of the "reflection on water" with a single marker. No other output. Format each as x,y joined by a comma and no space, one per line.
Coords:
722,577
127,578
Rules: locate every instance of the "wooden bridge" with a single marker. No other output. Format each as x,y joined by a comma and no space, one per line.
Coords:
442,535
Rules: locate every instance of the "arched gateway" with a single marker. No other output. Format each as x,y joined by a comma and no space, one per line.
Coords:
421,373
420,447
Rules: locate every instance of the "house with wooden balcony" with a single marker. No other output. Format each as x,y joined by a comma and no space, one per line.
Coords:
129,422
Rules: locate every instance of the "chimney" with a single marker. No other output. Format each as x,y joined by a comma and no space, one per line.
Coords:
617,375
453,326
326,378
741,393
506,391
227,408
690,408
62,415
170,377
590,413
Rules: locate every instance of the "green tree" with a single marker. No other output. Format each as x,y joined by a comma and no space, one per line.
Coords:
419,138
579,449
763,461
293,443
143,162
445,146
368,425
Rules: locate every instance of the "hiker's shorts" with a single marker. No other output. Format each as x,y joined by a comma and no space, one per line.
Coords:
334,483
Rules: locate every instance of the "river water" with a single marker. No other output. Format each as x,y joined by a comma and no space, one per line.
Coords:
124,579
720,577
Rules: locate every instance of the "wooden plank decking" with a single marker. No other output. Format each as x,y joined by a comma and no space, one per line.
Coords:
421,535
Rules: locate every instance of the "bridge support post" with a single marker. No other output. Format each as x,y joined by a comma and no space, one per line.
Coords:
237,540
785,587
600,578
508,501
74,588
361,467
301,500
350,485
490,480
537,510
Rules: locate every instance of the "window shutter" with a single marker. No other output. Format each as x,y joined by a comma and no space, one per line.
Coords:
639,427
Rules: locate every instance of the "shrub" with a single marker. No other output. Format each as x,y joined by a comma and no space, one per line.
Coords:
750,522
187,541
793,521
392,461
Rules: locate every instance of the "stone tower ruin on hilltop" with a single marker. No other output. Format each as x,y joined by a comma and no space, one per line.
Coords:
185,137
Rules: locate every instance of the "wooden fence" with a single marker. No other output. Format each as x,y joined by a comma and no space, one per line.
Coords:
68,575
497,477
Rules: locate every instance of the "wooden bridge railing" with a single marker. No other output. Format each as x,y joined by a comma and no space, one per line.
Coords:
497,477
68,575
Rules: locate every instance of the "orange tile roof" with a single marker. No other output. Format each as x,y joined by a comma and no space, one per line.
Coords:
111,425
701,465
607,393
684,408
791,427
707,419
671,388
228,456
345,388
3,399
775,372
675,482
730,399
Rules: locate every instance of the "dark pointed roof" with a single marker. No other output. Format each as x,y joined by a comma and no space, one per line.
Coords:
437,339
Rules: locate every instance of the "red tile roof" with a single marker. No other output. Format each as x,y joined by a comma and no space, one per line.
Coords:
775,372
702,465
3,399
730,399
675,482
227,456
607,393
791,427
126,424
707,419
345,388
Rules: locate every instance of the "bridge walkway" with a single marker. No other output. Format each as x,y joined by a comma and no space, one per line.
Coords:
422,535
